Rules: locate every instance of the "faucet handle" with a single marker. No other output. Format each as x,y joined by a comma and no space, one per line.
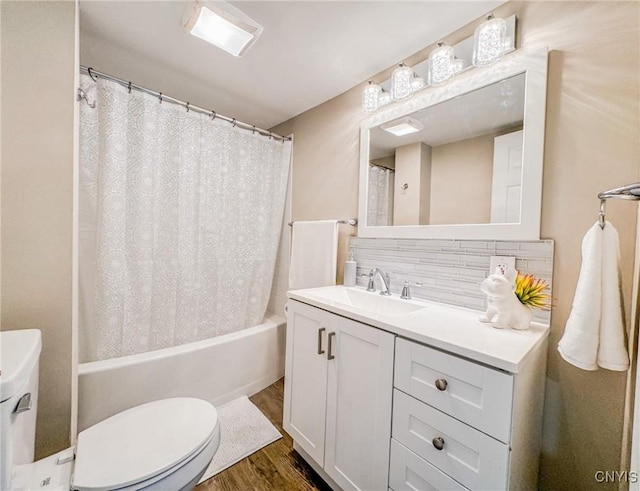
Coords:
406,289
371,287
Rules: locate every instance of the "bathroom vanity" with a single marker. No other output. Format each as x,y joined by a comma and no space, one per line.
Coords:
384,393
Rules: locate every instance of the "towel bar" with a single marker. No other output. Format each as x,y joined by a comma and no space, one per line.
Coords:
628,192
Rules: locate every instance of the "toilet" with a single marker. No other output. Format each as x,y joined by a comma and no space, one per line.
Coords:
162,445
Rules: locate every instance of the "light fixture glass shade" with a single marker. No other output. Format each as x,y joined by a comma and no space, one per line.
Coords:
489,41
222,25
441,64
401,82
371,97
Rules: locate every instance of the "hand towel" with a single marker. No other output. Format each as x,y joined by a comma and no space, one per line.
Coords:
594,334
579,344
612,351
314,254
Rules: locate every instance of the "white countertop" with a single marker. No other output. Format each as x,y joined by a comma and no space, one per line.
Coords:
453,329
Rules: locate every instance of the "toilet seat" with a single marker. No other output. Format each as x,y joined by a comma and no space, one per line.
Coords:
143,444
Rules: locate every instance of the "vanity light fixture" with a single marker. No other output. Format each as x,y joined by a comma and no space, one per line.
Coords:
403,126
401,78
374,97
371,97
443,64
222,25
490,41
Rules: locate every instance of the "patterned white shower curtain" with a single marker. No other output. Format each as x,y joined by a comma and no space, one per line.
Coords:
380,196
180,219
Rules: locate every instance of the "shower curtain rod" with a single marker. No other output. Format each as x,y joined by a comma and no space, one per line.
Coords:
189,107
382,167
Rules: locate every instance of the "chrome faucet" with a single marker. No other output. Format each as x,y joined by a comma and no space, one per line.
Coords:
384,280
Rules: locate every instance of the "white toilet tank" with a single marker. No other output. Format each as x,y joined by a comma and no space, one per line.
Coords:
19,361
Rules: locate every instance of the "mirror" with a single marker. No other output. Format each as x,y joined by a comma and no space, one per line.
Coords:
459,161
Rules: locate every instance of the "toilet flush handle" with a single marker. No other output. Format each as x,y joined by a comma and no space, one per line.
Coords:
24,404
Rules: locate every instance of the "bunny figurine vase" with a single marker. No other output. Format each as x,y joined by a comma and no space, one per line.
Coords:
503,306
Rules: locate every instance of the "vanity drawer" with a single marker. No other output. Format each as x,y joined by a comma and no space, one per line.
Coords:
470,392
407,471
467,455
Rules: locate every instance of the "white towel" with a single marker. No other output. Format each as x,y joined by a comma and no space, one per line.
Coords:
595,334
612,351
314,254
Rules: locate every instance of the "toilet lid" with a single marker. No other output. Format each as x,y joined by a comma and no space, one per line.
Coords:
142,442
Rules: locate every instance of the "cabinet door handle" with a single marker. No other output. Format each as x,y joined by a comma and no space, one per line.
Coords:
329,355
320,331
438,442
441,384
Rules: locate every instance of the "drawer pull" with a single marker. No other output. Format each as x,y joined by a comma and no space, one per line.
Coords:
330,355
438,442
441,384
320,331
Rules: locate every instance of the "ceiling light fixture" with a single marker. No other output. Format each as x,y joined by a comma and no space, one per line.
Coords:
222,25
403,126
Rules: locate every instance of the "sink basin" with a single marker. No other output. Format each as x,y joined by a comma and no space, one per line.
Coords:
371,302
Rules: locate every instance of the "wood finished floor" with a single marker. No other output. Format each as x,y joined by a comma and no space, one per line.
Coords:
275,467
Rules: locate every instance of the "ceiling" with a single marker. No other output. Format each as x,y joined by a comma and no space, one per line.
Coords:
309,52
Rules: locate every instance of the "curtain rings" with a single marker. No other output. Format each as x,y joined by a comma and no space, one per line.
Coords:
602,214
187,106
253,129
234,122
213,115
94,78
160,97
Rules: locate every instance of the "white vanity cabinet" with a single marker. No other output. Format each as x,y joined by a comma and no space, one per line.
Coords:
425,398
338,395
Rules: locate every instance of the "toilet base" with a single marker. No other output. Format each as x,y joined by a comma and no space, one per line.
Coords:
46,473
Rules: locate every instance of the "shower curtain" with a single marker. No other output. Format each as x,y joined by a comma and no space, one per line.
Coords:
180,217
380,196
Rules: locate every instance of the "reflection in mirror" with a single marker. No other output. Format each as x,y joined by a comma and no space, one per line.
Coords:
456,162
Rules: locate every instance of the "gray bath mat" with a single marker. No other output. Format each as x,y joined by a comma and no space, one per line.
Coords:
243,431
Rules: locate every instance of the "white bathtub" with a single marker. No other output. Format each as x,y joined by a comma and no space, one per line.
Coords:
217,370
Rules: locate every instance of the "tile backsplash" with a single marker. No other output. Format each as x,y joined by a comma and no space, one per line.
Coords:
450,270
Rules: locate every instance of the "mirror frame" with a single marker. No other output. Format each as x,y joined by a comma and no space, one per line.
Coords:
534,64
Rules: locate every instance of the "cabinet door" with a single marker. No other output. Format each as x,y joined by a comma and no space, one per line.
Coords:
359,403
305,388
